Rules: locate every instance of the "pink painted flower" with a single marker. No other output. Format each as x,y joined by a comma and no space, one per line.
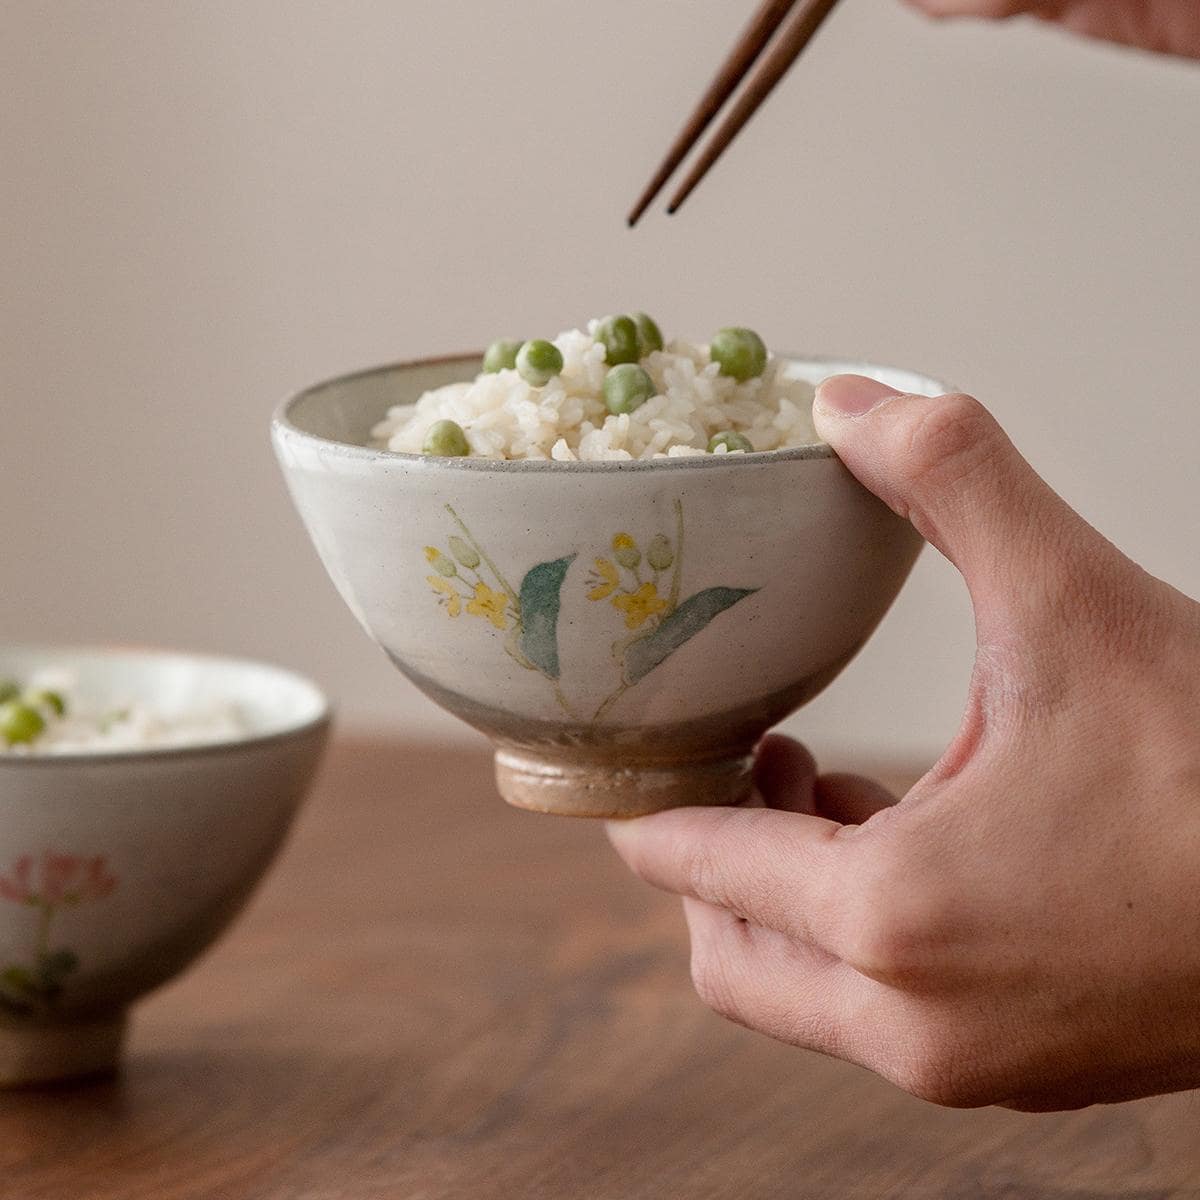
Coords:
98,882
16,887
59,874
62,879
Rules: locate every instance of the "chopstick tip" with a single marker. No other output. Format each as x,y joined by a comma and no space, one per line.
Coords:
638,211
677,201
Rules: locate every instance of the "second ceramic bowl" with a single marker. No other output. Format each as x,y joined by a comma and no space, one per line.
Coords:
117,868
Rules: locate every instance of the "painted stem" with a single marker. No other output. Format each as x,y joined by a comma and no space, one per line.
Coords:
45,920
677,574
564,703
610,701
512,595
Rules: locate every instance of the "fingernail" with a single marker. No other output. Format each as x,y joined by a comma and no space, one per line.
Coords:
852,395
621,832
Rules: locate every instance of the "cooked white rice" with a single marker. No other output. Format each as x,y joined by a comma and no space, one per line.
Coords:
124,724
506,418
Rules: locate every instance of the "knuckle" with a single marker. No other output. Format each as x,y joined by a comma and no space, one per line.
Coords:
714,983
899,919
711,864
702,869
888,946
947,440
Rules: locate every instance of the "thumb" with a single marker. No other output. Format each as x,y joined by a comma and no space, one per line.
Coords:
945,464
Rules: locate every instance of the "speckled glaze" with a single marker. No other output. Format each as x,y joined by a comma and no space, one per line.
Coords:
624,632
118,869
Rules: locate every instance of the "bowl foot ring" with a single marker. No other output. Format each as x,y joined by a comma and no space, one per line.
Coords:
618,790
42,1053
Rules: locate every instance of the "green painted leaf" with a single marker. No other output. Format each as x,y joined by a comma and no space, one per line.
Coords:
681,626
540,601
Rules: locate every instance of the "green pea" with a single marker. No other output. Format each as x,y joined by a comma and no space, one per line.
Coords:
660,554
627,387
446,439
501,355
731,440
19,722
619,336
740,353
9,690
47,699
113,718
539,361
649,335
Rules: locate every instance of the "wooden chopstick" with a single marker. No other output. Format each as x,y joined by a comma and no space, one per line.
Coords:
799,30
741,58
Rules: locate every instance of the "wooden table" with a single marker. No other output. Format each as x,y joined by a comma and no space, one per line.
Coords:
436,996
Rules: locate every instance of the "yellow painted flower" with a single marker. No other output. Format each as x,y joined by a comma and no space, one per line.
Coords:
604,581
623,541
447,592
489,604
639,606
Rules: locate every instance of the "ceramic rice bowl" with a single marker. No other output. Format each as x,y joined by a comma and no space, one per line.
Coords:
117,869
624,632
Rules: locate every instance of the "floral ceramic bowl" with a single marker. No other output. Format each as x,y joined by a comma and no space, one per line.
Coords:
118,869
624,632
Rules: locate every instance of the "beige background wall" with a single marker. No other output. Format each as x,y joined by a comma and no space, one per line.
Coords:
207,203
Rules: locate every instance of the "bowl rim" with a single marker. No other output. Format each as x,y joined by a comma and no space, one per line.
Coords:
220,746
282,426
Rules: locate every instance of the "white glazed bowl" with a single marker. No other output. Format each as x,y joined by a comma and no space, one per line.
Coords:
499,589
118,869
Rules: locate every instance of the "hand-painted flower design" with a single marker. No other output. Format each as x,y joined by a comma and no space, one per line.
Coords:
639,600
625,551
48,884
641,582
460,584
640,606
17,887
653,608
603,581
60,880
440,563
490,605
660,554
469,581
449,595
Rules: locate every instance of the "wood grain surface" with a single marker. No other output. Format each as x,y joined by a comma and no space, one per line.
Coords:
437,996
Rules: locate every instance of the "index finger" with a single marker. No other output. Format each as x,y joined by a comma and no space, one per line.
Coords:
780,870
